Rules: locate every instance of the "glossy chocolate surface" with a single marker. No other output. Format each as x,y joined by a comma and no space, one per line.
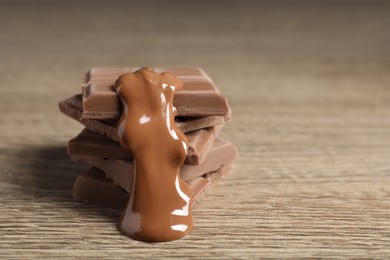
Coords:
159,207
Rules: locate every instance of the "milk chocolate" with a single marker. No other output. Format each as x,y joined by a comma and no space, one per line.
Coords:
114,73
73,108
121,171
199,96
159,205
93,144
148,113
92,187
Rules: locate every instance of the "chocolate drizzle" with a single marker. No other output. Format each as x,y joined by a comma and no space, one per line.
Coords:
159,207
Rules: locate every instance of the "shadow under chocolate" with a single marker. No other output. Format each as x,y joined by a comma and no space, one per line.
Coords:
46,173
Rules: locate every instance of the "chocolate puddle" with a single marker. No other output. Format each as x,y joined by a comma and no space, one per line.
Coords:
159,207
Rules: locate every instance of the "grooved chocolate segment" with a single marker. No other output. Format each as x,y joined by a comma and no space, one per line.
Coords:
93,144
120,171
72,107
91,186
113,73
199,96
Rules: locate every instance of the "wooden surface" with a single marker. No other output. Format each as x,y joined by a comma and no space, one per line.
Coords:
309,86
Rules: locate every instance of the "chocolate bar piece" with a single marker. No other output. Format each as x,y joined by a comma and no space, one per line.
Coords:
91,186
72,107
121,171
93,144
199,96
113,73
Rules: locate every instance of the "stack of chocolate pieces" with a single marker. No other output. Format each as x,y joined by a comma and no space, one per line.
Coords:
201,113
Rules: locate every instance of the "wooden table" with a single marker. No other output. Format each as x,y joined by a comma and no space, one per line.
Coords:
309,87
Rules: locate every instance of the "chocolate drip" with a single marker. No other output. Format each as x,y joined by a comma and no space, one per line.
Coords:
159,207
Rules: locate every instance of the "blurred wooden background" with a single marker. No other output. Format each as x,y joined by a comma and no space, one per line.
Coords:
309,86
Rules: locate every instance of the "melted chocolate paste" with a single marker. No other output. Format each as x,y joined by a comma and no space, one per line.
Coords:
159,206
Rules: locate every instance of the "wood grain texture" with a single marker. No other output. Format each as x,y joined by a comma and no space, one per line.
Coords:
309,87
